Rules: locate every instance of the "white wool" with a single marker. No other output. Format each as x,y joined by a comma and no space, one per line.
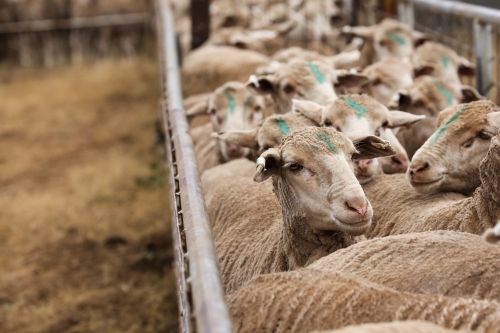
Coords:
261,160
253,79
496,230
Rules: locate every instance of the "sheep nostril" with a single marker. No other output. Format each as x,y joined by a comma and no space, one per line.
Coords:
418,167
361,209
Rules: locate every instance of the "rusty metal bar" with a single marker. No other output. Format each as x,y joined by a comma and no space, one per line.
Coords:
201,295
200,22
73,23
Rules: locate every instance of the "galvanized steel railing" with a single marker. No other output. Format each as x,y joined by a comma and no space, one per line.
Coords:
472,31
201,297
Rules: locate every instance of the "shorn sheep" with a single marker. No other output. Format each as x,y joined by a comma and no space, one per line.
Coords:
231,107
400,209
309,299
323,207
447,263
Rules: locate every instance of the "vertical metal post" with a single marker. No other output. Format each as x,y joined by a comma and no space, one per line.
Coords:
200,22
371,12
483,49
347,9
355,11
406,13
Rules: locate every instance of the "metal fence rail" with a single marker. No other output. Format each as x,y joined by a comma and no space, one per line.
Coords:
201,296
472,31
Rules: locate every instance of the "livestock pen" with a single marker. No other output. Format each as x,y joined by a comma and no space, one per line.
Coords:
472,31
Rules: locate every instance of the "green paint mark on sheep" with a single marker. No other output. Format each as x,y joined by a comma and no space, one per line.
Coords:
326,139
395,37
433,139
444,92
248,101
230,101
317,73
360,110
444,61
283,126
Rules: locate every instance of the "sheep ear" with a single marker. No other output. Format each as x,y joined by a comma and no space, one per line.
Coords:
420,38
346,59
267,164
309,109
197,109
371,147
262,85
401,118
241,138
470,94
272,68
348,79
263,35
424,69
465,67
360,31
494,119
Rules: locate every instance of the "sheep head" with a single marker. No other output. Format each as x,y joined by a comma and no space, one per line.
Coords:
231,107
316,165
358,115
449,159
306,80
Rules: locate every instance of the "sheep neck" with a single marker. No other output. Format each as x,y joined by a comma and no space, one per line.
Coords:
487,196
299,243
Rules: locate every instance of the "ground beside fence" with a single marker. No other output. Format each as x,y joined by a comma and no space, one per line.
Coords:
84,243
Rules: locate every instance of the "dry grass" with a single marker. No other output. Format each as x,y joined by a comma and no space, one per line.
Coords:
84,239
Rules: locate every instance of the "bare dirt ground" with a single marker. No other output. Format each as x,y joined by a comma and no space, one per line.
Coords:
84,237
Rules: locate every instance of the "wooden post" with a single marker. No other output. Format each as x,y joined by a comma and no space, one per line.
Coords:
200,22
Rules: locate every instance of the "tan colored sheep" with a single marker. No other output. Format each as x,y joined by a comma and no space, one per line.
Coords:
435,59
356,115
492,235
447,263
231,107
309,299
209,67
323,207
428,96
387,39
343,60
305,80
400,209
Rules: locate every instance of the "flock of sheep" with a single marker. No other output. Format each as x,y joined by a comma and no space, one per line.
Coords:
347,190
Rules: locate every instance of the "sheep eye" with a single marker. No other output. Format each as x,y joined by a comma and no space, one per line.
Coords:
483,135
328,123
468,143
212,111
385,124
418,104
338,129
376,82
288,89
258,108
295,167
383,43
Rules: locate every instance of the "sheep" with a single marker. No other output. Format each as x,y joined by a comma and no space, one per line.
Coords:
393,327
343,60
257,40
231,107
448,160
440,61
428,96
209,67
301,79
308,299
387,39
447,263
322,209
386,79
356,115
400,209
